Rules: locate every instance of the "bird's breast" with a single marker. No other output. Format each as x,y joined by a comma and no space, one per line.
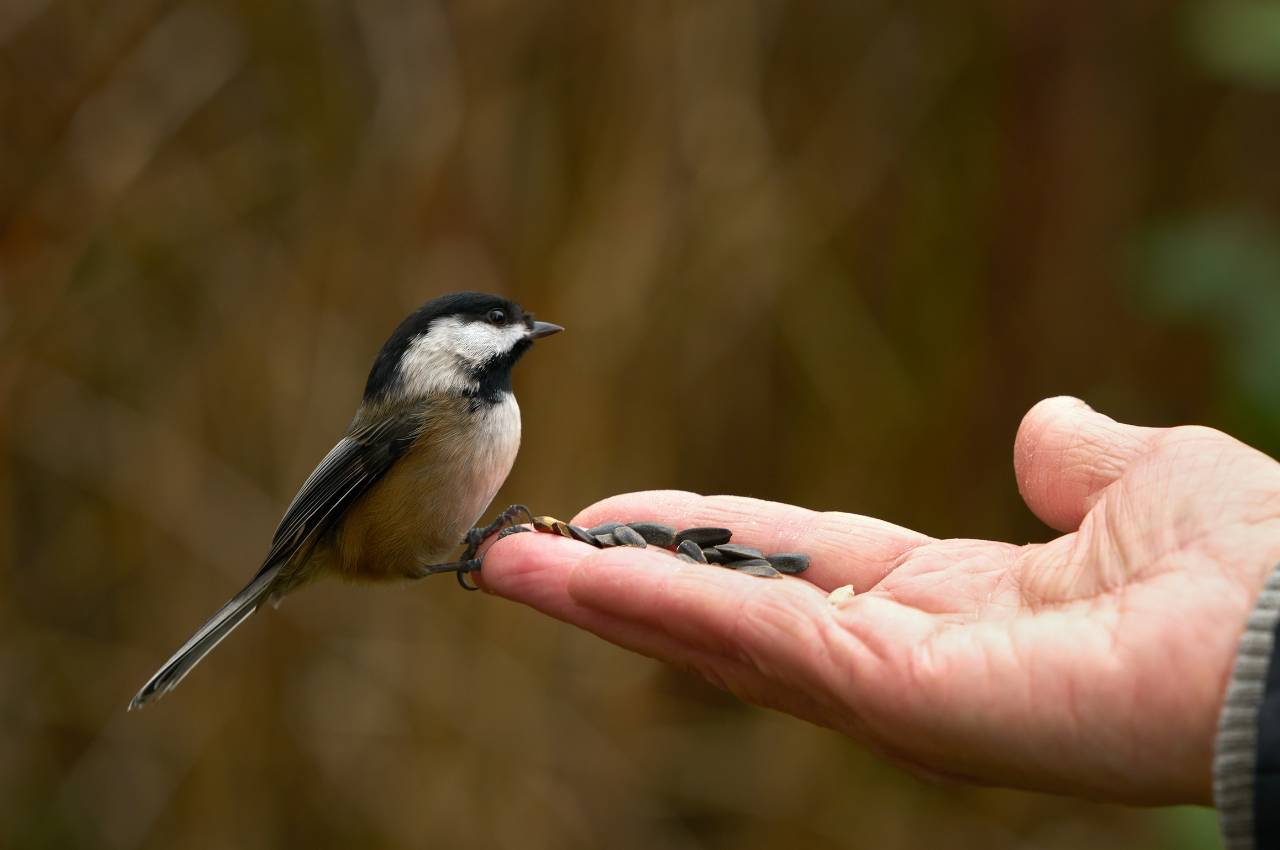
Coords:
488,458
424,505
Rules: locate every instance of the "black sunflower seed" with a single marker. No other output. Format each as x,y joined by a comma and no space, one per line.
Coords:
605,540
692,551
761,569
712,555
748,562
705,536
790,563
625,535
734,552
603,529
583,536
655,533
683,557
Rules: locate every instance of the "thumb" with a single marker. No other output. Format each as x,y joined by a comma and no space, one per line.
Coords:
1066,454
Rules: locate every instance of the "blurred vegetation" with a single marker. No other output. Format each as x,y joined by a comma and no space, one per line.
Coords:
824,253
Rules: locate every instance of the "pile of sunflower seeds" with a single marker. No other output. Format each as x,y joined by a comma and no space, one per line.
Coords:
704,545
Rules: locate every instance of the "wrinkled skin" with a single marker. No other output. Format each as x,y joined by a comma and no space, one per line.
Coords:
1094,664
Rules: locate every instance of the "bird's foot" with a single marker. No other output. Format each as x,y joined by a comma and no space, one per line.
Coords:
474,539
477,536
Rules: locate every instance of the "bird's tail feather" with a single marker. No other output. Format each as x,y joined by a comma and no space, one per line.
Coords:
206,638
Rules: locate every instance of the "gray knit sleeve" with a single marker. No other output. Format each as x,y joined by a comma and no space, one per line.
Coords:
1235,750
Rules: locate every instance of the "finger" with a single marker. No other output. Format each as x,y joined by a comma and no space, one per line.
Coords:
844,548
1066,454
706,611
536,571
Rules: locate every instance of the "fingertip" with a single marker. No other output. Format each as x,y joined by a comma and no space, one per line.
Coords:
1066,453
1038,425
538,569
1048,432
520,566
1047,414
543,570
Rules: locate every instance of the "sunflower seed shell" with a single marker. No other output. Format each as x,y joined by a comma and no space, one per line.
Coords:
790,563
655,533
583,536
625,535
734,552
551,525
762,569
692,551
705,536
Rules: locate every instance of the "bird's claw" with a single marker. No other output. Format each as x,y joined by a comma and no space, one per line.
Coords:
477,536
461,576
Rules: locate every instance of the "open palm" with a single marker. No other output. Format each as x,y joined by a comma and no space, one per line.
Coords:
1092,664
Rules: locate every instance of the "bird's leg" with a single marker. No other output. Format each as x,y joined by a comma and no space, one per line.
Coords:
477,536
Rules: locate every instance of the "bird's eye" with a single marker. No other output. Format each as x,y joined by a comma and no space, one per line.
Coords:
498,317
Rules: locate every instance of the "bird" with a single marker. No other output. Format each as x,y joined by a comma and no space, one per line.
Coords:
435,435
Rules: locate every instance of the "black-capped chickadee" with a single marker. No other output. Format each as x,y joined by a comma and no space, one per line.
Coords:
432,441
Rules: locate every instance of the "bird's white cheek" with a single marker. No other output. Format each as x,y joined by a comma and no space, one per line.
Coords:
430,366
478,342
443,359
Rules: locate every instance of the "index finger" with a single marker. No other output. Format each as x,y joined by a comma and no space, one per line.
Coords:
844,548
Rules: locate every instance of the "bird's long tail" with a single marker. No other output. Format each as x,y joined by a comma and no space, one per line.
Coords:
206,638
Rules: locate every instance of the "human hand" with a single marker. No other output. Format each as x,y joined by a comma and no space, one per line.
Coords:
1094,664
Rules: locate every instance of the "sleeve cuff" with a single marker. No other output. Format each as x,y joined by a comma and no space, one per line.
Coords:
1235,763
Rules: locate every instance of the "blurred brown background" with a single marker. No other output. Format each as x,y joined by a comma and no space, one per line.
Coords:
825,253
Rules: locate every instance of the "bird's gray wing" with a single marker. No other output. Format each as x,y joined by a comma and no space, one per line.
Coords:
352,466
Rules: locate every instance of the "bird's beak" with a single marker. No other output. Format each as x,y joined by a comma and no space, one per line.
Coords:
541,329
